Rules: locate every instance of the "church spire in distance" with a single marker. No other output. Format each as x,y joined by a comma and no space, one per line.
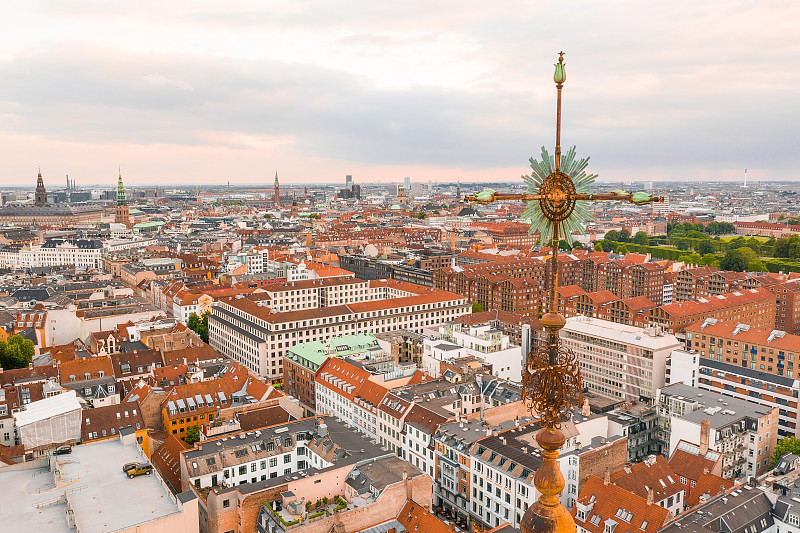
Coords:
120,190
41,193
277,196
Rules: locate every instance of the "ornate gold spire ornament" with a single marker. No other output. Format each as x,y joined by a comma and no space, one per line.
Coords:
558,191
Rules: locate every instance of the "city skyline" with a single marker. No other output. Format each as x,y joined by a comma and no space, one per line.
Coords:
185,94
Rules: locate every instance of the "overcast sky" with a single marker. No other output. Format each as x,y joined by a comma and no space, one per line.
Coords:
191,91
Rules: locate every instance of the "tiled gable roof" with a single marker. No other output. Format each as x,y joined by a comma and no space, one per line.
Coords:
167,460
598,503
652,474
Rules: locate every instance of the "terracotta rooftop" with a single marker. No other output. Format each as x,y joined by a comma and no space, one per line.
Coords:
610,502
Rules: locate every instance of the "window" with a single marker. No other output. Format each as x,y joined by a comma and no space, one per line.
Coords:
226,503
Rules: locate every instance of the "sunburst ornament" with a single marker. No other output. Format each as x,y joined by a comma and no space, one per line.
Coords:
556,211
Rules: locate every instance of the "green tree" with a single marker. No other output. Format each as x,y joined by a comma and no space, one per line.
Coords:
194,322
613,235
564,245
785,445
756,266
477,307
641,238
624,235
598,247
737,259
17,352
682,245
711,260
788,248
705,247
192,434
691,259
199,325
621,249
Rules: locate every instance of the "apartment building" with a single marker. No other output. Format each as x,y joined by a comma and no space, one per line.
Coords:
82,253
787,302
628,279
515,286
481,341
690,283
346,391
755,307
737,381
744,433
249,331
619,362
301,363
197,404
262,454
764,349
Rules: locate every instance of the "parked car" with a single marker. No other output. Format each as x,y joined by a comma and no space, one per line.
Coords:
139,469
63,450
128,466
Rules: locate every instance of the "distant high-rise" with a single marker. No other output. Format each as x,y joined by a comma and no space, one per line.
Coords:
407,183
348,182
41,192
277,196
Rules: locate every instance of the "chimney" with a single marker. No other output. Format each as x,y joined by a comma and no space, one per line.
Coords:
585,409
607,478
649,496
705,427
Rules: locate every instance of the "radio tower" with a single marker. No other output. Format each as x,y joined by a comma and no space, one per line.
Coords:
745,178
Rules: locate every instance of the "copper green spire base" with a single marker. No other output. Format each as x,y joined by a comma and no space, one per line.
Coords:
547,515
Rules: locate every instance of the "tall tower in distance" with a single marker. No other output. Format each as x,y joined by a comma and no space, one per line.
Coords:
41,192
277,195
121,211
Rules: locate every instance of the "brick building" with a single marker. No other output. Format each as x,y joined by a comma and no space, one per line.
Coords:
755,307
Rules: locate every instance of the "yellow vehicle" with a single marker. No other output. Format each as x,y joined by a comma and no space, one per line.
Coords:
139,469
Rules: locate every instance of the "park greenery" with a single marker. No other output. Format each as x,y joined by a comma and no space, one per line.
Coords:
695,244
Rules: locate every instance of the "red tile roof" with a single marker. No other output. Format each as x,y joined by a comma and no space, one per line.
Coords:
653,475
710,485
167,460
607,501
80,367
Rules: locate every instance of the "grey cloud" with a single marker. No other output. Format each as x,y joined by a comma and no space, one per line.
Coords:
682,87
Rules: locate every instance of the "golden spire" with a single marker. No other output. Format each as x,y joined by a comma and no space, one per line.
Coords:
551,381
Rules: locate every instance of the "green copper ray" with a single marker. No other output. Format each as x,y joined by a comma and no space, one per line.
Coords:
576,170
